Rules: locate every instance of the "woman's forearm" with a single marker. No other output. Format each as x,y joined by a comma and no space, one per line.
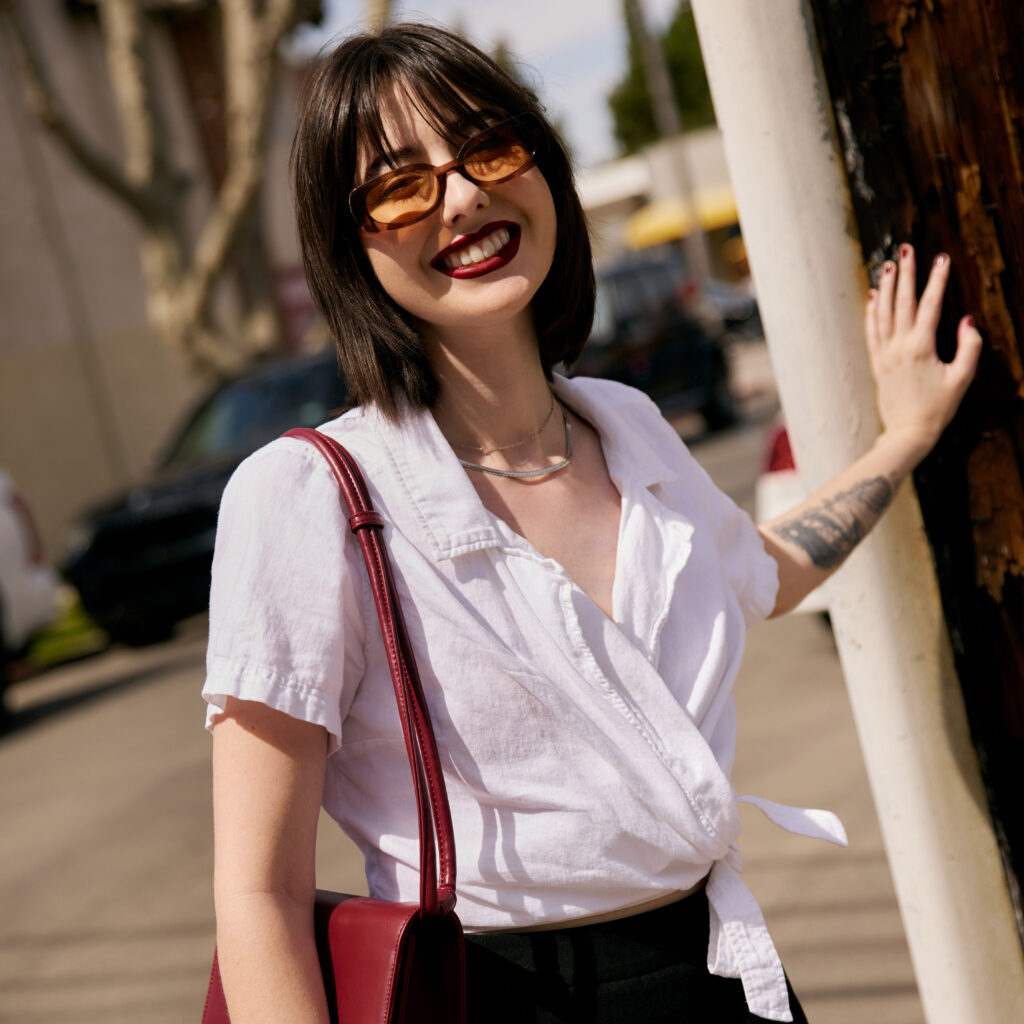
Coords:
812,540
268,960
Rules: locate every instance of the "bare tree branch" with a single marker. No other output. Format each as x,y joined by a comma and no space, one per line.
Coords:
281,16
179,277
121,21
42,101
251,42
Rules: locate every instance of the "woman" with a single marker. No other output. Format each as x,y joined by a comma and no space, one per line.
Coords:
576,588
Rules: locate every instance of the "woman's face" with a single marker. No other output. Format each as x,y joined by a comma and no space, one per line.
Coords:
479,258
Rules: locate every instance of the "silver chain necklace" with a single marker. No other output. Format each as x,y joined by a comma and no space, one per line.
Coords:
526,474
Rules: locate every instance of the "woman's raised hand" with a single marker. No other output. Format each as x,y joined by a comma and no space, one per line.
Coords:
917,396
917,392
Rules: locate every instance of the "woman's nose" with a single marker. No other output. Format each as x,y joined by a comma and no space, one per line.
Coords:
462,197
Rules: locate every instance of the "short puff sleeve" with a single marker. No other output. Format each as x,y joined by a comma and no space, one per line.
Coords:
288,592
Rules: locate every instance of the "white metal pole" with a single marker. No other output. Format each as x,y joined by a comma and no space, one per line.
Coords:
772,105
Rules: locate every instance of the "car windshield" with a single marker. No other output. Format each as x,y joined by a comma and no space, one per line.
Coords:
629,293
642,289
250,412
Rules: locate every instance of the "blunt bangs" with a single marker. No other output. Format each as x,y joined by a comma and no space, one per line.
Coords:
452,114
458,90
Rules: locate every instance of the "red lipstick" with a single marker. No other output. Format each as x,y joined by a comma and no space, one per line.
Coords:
502,256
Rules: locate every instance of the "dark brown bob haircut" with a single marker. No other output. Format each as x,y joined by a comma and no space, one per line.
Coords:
450,82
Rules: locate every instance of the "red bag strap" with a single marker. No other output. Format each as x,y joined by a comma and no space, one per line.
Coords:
435,818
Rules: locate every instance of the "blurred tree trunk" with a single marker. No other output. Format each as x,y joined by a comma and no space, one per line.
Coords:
197,40
179,270
377,14
928,96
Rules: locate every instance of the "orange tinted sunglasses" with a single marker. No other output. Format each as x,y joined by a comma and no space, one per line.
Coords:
407,194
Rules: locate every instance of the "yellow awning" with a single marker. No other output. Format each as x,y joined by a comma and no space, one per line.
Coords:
668,219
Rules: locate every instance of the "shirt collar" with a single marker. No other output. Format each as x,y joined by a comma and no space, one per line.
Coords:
638,442
443,501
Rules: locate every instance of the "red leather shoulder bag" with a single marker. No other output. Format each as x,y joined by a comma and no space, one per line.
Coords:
383,962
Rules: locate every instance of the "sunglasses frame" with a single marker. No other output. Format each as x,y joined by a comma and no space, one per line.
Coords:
533,138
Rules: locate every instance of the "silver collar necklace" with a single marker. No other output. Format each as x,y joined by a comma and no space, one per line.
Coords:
528,474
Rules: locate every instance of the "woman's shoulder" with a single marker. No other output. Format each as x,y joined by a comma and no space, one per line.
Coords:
276,473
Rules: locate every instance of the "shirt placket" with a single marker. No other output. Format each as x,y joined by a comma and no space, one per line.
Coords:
623,695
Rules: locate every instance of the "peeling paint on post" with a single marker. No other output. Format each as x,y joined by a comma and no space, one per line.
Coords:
928,96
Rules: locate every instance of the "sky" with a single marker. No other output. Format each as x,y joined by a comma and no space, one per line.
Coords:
575,48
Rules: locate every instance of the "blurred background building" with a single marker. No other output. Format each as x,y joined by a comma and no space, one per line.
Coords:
87,389
633,203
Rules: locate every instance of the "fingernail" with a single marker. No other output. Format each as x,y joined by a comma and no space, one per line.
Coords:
941,259
969,320
888,268
904,251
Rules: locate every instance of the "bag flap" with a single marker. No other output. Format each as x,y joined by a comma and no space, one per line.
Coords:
366,939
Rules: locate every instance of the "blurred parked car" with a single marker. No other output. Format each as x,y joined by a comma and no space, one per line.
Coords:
29,586
778,489
141,561
736,306
648,334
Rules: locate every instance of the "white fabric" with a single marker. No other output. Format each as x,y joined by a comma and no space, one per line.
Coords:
587,760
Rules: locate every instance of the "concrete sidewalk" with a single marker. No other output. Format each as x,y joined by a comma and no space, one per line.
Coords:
831,911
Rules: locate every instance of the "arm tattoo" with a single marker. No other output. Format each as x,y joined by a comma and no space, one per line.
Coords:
830,531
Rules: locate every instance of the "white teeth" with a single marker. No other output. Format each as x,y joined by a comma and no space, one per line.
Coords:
479,251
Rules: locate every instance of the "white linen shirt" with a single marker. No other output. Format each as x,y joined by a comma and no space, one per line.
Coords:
587,759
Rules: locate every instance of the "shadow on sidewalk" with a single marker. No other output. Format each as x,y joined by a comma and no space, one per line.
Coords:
75,686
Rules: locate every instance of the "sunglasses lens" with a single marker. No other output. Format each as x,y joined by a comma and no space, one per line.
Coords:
497,154
401,197
410,193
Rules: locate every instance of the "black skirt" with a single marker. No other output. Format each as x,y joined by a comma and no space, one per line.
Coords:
647,969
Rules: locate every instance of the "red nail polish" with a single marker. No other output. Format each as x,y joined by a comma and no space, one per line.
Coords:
904,251
888,268
969,321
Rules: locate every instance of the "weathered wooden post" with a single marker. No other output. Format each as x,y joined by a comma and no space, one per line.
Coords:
929,99
807,258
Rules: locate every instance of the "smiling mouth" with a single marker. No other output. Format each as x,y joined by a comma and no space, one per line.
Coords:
486,251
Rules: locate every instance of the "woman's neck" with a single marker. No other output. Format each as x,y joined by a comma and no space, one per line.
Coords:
493,395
